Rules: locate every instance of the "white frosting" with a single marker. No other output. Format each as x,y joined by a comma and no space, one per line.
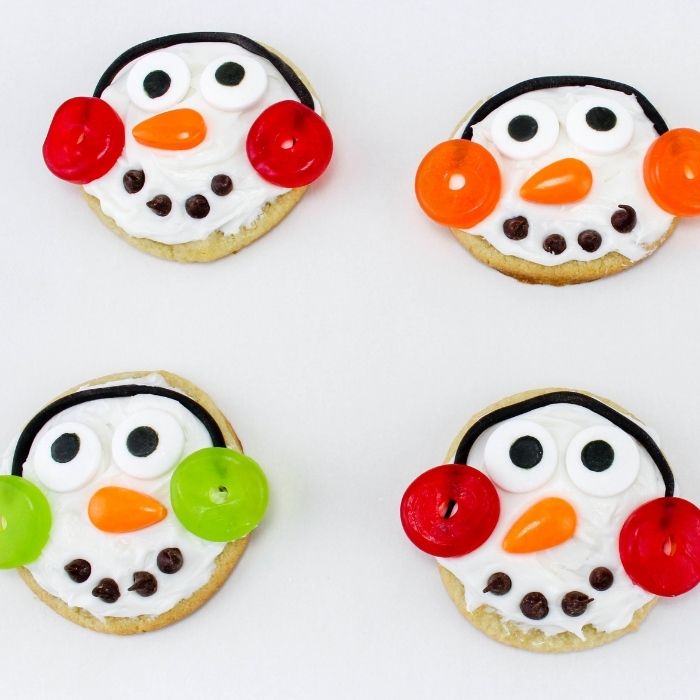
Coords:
119,556
617,179
181,174
566,567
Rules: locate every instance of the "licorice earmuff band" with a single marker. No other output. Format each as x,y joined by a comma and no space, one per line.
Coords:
287,72
571,397
26,439
561,81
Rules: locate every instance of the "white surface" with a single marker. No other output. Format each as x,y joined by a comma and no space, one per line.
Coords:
347,347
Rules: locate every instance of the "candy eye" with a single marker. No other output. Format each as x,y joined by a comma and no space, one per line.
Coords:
233,83
602,460
158,81
524,129
599,125
67,457
520,456
148,444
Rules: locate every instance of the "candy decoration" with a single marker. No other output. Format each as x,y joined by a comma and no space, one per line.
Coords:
660,546
85,139
546,524
672,171
25,521
458,183
289,144
177,130
561,182
450,510
116,509
218,494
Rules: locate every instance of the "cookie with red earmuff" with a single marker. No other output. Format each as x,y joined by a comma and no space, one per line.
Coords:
192,145
555,522
562,179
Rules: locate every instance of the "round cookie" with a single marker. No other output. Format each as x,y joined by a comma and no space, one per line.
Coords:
539,540
561,180
193,145
130,545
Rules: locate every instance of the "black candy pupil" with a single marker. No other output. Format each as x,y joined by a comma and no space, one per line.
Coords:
597,456
156,83
229,73
142,441
65,447
601,119
522,128
526,452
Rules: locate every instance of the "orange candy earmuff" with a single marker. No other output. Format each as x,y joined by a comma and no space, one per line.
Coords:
672,171
458,183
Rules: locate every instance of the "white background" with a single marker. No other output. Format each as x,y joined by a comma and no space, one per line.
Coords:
348,346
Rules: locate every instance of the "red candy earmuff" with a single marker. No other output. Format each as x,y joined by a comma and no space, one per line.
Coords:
672,172
289,144
450,510
85,139
660,546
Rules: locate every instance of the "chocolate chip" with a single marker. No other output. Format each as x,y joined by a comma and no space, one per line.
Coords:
160,204
142,441
65,447
78,570
145,584
221,185
624,219
601,578
498,584
170,560
534,605
590,240
134,181
554,244
197,206
106,590
516,228
574,603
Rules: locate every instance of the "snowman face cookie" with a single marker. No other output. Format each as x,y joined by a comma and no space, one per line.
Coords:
147,503
557,535
192,142
562,179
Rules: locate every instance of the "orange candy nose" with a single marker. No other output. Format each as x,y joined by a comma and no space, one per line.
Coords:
458,183
115,509
548,523
672,171
563,181
176,130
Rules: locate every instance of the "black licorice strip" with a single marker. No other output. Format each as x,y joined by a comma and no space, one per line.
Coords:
554,81
164,42
572,397
26,439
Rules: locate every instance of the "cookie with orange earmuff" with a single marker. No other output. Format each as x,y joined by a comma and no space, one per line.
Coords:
562,179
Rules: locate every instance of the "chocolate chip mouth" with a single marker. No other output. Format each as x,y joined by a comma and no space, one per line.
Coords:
169,561
623,220
196,206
